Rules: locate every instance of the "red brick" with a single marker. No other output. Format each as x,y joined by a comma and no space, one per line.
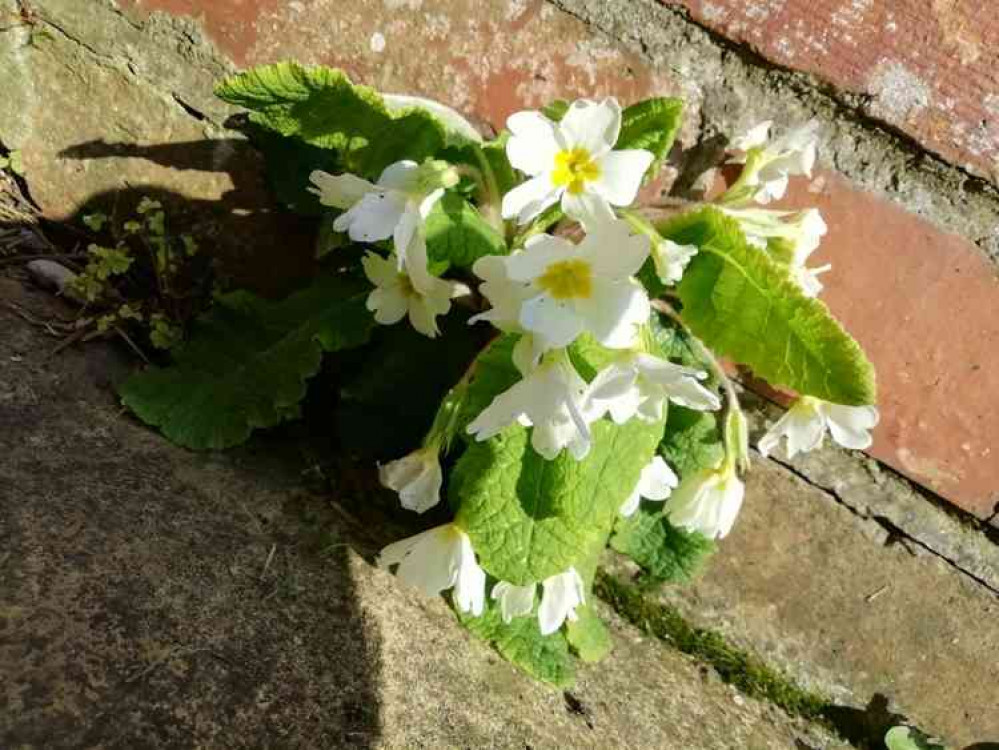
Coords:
488,59
928,66
925,306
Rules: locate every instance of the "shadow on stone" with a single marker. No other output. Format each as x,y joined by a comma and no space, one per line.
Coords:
157,598
865,727
257,245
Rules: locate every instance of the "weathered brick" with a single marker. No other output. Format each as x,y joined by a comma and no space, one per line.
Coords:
487,59
925,306
926,67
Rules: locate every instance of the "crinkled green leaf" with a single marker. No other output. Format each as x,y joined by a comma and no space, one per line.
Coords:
545,658
651,124
247,361
692,440
587,635
391,382
322,107
907,738
529,518
665,553
744,306
290,161
457,235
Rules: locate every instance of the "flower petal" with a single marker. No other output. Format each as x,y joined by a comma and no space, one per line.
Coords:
614,311
374,217
533,144
593,126
850,425
621,174
557,323
339,191
515,601
588,208
614,250
540,252
529,199
657,480
401,176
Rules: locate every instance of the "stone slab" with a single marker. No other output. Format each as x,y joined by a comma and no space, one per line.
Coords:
156,598
844,609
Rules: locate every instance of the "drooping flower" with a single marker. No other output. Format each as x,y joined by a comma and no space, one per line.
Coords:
549,399
416,477
795,236
767,166
656,483
671,259
560,596
586,287
409,290
639,385
394,207
805,424
514,601
707,502
439,559
572,161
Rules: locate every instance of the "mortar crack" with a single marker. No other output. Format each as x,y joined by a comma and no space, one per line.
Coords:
895,532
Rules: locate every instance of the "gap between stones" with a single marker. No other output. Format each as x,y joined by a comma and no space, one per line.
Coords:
895,533
747,673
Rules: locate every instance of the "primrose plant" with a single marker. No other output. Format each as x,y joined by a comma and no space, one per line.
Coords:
528,354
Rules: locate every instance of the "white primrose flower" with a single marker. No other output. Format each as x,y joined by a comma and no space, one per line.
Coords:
707,502
585,287
549,399
560,596
656,483
514,601
395,207
671,259
409,290
639,385
805,424
769,165
416,477
572,160
439,559
802,232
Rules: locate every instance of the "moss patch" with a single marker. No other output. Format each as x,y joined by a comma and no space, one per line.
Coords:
735,666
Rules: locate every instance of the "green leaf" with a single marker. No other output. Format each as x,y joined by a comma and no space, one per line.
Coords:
693,440
665,553
545,658
323,108
651,124
289,164
389,382
744,306
529,518
457,235
587,635
247,361
555,110
907,738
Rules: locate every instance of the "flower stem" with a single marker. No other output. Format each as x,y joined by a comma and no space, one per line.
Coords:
490,192
735,428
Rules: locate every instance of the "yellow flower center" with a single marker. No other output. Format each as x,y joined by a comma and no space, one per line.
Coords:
406,286
567,279
573,169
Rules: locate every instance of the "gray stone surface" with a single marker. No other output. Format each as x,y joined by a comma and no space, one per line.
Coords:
156,598
106,112
734,95
872,491
842,608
